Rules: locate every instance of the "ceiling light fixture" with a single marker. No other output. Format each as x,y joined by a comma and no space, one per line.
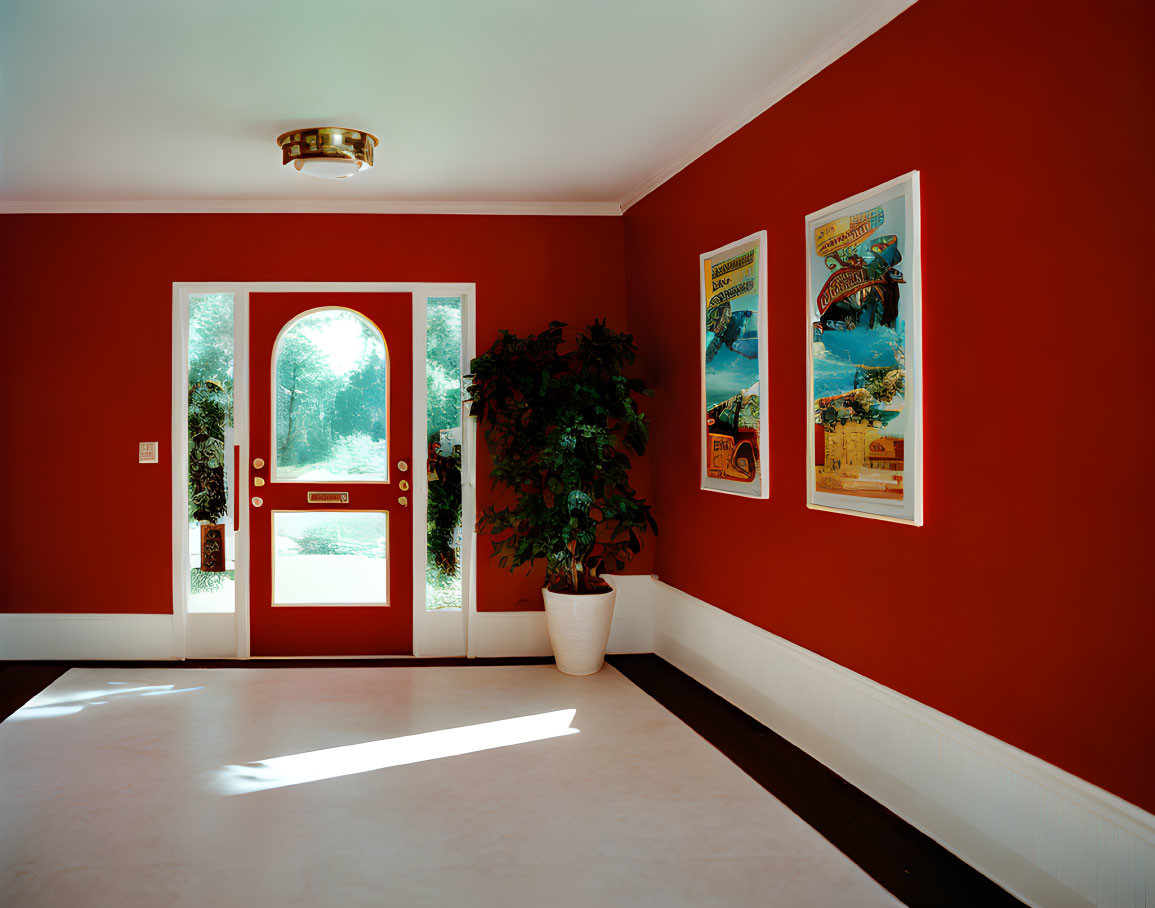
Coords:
328,152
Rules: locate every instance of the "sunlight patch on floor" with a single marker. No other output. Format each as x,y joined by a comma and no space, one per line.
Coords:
49,706
314,766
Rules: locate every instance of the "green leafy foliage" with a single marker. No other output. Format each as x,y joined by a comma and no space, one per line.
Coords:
444,510
443,364
560,425
209,411
441,592
211,338
305,386
339,537
330,393
210,404
357,405
443,411
208,581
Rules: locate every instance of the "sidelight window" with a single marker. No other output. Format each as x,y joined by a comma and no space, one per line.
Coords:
443,370
212,543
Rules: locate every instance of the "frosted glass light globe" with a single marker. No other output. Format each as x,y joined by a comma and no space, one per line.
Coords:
329,168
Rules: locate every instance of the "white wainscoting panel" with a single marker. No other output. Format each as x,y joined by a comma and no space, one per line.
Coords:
439,633
632,631
81,636
1043,834
211,635
497,634
524,633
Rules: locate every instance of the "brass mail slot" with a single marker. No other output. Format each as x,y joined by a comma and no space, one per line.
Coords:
328,498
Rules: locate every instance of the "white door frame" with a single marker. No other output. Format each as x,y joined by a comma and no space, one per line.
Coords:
438,633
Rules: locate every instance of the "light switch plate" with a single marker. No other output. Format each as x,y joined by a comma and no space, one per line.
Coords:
149,452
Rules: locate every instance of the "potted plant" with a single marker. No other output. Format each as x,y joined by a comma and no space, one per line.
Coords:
561,425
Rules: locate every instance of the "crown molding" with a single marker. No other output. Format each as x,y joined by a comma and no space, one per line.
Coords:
309,206
876,16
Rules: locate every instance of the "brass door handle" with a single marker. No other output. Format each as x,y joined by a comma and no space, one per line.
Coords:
403,501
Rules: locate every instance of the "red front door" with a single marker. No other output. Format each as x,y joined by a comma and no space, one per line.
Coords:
330,481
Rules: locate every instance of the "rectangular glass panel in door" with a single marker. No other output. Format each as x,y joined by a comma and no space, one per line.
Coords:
330,558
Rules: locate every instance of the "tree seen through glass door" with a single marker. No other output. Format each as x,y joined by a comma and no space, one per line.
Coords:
330,398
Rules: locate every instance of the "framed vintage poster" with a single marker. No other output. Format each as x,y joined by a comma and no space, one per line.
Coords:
864,355
733,326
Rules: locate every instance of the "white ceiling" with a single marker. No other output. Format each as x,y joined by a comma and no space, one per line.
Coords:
587,103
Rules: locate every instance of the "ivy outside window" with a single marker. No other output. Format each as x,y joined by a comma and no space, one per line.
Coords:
443,427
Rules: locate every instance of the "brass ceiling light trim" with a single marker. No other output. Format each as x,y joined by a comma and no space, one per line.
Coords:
329,152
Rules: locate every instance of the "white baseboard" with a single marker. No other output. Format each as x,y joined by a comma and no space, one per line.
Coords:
632,630
81,636
439,633
1043,834
496,634
211,635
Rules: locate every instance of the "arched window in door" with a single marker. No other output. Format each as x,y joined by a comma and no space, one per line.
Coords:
330,399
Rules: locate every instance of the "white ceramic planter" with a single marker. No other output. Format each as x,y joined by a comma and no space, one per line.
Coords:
579,629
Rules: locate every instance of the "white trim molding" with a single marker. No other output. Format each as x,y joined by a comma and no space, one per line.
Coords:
308,206
875,17
85,636
502,634
499,634
140,637
1045,835
210,635
444,639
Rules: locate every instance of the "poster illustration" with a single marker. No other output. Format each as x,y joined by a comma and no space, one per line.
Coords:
733,325
864,407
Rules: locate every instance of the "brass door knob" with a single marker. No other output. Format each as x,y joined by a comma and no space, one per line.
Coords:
258,462
403,501
257,502
403,486
402,466
257,481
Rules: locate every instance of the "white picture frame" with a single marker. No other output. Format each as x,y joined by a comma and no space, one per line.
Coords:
733,368
864,355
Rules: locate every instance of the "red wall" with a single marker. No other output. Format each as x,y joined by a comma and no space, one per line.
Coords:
86,364
1026,608
1026,611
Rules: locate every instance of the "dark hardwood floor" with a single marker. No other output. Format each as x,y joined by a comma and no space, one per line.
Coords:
909,864
21,681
